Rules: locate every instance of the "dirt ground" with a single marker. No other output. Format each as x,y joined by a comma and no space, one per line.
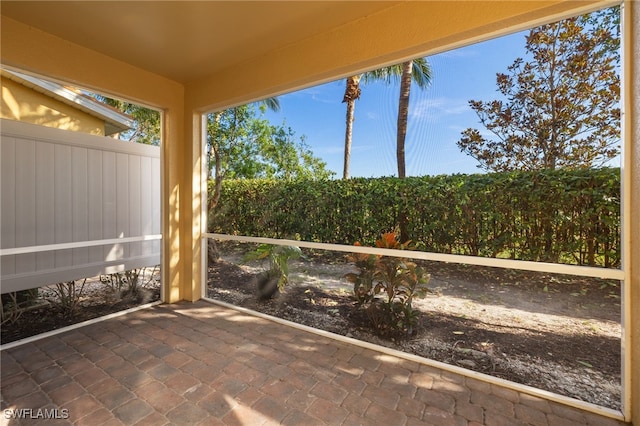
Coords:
553,332
95,299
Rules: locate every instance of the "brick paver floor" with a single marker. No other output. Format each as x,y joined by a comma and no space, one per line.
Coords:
191,364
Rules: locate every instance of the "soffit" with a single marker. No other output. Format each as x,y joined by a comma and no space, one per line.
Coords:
185,41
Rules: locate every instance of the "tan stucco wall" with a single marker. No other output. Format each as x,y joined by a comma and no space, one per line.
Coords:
632,198
427,27
21,103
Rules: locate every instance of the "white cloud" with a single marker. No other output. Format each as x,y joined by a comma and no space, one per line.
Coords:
434,109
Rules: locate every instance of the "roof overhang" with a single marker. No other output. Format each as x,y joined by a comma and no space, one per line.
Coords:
230,52
114,121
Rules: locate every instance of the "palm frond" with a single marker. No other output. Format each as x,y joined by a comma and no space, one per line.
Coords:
421,73
272,104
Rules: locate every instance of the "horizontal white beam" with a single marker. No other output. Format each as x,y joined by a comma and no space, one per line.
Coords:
78,244
524,265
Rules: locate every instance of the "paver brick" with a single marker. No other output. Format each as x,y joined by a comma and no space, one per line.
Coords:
596,420
411,407
372,377
243,415
505,393
436,399
97,354
329,392
217,404
356,404
498,419
98,417
383,415
66,393
35,400
156,368
81,406
422,380
55,383
365,361
436,416
45,374
469,411
271,408
493,403
350,384
327,412
381,396
114,397
162,400
88,377
530,415
402,388
249,396
154,419
181,382
535,402
187,413
279,389
297,417
300,400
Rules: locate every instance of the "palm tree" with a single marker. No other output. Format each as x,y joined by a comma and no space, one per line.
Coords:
417,70
351,93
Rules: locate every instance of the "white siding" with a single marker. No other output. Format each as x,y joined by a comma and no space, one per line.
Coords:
63,187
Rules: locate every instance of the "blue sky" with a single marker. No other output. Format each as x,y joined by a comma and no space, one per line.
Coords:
437,115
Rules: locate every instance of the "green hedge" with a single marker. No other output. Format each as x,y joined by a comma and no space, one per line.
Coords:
556,216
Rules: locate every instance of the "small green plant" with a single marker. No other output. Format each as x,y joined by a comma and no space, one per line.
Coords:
386,286
277,276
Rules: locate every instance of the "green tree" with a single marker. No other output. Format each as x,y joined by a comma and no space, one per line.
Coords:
147,121
417,71
245,145
561,106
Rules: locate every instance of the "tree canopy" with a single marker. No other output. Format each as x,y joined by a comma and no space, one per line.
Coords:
248,146
242,144
561,104
147,121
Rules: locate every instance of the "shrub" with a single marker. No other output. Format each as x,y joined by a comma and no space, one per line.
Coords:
277,276
566,216
386,286
67,296
129,284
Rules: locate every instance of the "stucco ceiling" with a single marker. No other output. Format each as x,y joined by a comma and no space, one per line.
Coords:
185,41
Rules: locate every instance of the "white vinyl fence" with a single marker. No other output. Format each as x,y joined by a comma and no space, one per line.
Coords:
67,199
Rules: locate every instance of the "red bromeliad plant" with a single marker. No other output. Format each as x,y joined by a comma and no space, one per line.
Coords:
398,280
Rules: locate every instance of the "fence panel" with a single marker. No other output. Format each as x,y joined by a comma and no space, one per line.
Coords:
66,187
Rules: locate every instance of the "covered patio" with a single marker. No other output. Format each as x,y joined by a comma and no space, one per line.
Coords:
188,361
